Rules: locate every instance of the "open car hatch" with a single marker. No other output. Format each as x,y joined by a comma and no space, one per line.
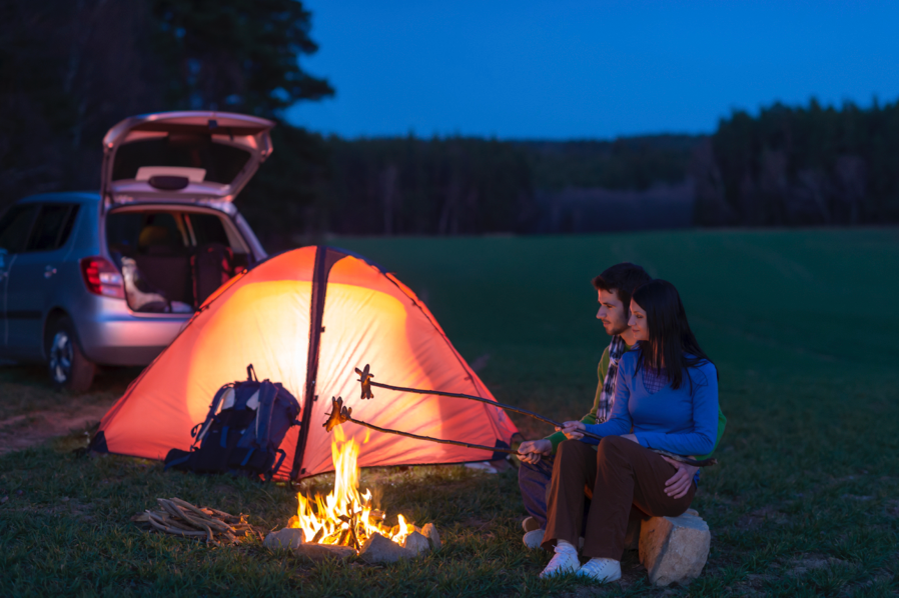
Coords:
200,156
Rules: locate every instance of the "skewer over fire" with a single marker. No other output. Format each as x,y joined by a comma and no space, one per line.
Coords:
341,414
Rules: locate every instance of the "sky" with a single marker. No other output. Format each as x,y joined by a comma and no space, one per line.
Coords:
577,69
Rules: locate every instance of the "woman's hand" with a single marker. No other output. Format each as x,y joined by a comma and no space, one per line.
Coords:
532,450
678,485
573,430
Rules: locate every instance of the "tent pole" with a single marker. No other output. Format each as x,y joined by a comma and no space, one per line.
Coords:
316,311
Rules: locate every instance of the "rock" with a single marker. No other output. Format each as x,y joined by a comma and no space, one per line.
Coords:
632,536
321,552
430,532
674,549
289,537
378,549
416,544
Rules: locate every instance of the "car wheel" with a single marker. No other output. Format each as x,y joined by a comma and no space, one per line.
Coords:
68,366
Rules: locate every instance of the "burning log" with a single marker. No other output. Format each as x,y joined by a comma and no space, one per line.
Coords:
366,382
345,523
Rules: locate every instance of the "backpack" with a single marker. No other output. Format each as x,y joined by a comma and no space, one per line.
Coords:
242,432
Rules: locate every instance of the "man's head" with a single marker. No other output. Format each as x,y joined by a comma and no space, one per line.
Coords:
615,287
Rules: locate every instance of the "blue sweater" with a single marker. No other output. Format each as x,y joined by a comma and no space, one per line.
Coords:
682,421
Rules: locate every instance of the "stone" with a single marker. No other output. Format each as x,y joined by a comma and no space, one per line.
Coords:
289,537
430,532
674,549
416,544
378,549
321,552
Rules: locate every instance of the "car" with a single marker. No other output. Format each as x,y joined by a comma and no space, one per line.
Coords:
111,278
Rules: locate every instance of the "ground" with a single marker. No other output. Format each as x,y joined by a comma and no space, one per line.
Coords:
805,501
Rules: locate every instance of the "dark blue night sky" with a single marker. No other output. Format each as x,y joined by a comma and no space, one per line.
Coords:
578,69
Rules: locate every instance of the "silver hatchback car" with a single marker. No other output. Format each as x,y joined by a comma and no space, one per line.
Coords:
91,279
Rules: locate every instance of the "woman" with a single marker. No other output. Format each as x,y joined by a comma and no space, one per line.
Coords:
666,398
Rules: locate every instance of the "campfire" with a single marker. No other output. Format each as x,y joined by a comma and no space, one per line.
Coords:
346,517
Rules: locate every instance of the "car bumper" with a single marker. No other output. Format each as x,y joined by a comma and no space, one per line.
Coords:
119,337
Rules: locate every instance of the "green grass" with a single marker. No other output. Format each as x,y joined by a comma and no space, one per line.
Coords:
805,501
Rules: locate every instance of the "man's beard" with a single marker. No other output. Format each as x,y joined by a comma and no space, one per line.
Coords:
616,331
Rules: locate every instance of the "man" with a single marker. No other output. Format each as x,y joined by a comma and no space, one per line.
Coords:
614,287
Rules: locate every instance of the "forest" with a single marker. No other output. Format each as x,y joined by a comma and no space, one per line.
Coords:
71,70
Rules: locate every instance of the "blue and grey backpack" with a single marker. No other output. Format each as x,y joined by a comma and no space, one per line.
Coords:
242,432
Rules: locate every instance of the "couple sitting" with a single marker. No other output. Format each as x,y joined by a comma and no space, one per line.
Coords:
657,390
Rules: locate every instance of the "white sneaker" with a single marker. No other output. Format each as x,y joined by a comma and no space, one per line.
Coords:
534,538
601,570
562,563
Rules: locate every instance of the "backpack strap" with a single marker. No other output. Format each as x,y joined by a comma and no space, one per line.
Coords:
271,473
267,394
213,409
251,374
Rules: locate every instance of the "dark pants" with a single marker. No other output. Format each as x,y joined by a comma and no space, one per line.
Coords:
534,483
626,479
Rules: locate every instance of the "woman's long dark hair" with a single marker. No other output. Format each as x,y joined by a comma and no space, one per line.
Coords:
670,338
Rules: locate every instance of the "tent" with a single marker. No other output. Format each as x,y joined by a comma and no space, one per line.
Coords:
307,318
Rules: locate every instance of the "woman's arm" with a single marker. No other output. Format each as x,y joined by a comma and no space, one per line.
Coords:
705,419
619,422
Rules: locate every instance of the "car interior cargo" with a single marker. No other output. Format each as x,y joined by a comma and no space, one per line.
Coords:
173,258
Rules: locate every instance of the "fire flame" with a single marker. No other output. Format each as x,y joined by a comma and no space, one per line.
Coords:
345,516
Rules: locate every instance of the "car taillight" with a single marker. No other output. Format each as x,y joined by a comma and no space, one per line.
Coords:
102,278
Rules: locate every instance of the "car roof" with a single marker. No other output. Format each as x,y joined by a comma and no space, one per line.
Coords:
63,197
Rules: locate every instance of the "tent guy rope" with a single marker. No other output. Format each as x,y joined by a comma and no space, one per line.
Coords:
365,379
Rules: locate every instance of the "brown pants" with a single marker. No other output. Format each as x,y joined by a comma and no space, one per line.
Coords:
625,477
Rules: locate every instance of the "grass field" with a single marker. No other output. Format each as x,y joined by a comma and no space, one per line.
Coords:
805,502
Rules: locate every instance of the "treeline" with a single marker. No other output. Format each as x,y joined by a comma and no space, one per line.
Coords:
70,70
461,185
785,166
811,165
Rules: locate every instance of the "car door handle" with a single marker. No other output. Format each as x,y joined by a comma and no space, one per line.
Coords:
49,271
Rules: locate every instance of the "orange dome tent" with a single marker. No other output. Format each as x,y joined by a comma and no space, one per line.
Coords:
306,318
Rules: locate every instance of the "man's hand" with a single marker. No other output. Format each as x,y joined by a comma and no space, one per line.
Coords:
572,430
532,450
678,485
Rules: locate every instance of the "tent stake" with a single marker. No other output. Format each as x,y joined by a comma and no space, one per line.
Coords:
340,414
365,378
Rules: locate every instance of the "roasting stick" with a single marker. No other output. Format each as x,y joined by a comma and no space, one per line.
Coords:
365,378
340,414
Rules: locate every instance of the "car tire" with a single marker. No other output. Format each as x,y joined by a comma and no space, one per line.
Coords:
68,367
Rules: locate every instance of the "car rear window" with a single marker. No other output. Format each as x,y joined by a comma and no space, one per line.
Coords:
143,232
208,228
15,226
52,227
222,163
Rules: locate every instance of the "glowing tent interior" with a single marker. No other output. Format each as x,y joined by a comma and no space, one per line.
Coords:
306,318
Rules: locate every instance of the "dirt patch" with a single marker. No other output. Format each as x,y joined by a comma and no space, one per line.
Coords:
759,516
24,431
893,508
810,563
